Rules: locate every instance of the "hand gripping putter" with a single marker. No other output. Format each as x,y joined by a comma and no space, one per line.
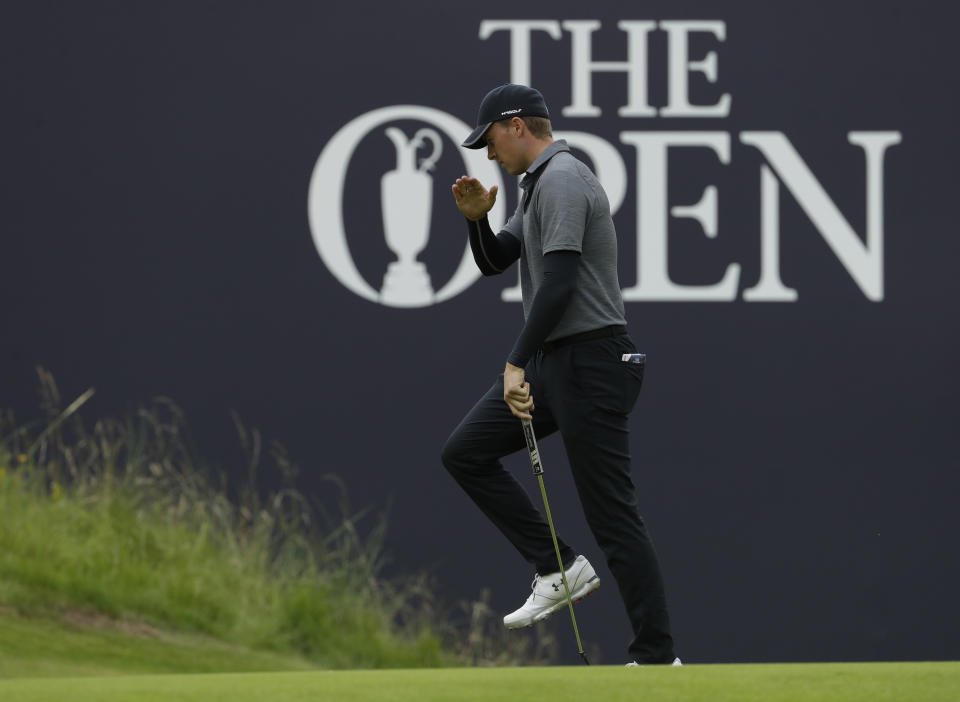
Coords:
538,471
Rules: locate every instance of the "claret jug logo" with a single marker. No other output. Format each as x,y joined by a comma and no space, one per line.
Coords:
406,203
406,190
406,200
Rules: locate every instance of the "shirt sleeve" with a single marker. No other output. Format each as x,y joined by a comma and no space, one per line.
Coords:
559,283
564,208
493,253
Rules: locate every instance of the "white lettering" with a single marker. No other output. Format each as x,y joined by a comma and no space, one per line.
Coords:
864,261
583,66
680,66
653,281
770,288
520,31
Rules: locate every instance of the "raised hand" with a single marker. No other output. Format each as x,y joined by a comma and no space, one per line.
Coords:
472,198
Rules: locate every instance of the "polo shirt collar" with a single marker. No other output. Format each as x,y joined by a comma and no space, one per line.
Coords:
531,176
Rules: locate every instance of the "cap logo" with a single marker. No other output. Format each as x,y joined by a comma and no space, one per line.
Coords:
511,112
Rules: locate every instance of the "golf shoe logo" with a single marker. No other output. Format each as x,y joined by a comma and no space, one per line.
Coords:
406,203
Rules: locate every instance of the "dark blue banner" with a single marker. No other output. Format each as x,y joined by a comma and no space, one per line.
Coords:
247,206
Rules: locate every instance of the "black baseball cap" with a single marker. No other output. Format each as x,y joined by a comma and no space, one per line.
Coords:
504,102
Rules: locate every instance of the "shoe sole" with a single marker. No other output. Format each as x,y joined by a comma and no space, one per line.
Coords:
588,589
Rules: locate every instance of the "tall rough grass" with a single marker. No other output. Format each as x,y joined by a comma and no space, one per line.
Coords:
121,520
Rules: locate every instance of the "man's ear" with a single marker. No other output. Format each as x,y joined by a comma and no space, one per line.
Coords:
518,126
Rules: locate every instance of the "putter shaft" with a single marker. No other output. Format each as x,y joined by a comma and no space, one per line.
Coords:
537,466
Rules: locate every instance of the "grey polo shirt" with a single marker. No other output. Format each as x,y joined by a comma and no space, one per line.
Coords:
564,208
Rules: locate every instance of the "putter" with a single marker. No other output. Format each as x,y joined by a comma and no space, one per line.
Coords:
538,471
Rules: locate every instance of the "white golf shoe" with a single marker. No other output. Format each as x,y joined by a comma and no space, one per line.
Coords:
634,664
548,594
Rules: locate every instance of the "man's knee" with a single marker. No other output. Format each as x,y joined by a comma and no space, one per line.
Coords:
452,455
463,458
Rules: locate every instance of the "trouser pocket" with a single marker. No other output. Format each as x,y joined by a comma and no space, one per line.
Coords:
604,380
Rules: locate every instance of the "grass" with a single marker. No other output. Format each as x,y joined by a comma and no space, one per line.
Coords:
118,529
128,573
860,682
74,645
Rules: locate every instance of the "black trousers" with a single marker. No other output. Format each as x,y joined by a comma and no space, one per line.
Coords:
586,392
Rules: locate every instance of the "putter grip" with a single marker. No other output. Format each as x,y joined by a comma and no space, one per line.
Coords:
532,447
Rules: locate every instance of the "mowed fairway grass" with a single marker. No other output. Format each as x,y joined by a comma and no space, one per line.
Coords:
842,682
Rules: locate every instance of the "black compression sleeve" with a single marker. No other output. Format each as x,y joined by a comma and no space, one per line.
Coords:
559,282
493,252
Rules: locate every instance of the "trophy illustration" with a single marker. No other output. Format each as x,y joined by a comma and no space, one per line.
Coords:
406,199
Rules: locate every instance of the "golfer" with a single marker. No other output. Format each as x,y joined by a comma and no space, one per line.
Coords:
573,369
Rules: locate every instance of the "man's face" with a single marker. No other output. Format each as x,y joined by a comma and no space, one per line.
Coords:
504,146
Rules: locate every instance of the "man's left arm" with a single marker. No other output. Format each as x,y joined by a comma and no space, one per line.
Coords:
559,284
549,304
563,209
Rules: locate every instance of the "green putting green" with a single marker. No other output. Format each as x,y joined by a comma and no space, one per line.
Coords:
842,682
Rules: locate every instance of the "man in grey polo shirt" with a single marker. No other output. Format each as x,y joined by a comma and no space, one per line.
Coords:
573,357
